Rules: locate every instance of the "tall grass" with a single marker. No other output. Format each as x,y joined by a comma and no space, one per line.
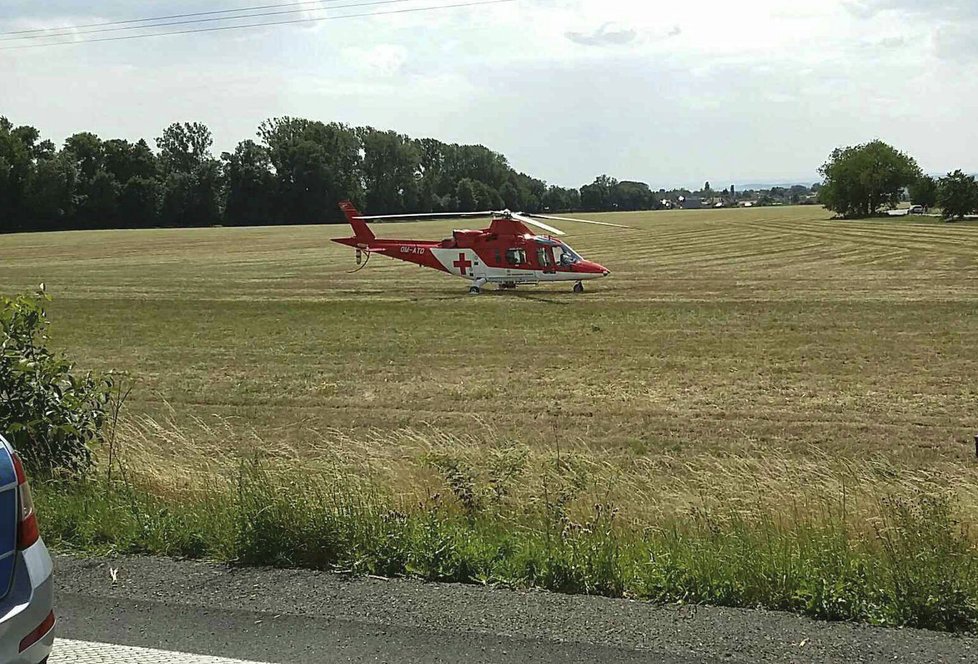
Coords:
889,554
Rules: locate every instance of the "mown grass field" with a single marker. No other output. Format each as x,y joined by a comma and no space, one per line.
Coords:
718,331
766,333
763,369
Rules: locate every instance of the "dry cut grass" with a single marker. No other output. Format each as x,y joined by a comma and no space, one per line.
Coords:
767,360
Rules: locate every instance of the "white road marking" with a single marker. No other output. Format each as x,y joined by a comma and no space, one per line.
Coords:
87,652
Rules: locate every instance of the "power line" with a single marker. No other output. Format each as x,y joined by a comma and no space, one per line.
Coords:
201,20
166,18
259,25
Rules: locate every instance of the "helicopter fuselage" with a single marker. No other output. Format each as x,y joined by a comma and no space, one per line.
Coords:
505,253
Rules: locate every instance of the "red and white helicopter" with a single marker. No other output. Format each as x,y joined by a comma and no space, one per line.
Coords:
507,253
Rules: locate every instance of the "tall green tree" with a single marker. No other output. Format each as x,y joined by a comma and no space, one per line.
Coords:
99,207
486,198
193,199
125,160
861,179
50,202
86,150
532,192
139,202
465,194
316,165
511,196
304,182
629,195
477,163
184,146
957,194
250,185
17,155
192,190
598,194
924,191
391,171
137,171
176,206
95,190
559,199
433,184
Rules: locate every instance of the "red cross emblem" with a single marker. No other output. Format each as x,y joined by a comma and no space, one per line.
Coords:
463,264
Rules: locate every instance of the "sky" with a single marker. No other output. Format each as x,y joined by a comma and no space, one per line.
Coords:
669,93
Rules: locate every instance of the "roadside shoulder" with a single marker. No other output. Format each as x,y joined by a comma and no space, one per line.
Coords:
679,631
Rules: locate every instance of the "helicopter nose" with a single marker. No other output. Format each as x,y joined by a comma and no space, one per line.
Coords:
591,270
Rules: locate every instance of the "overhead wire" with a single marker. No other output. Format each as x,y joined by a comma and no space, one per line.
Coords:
166,18
73,32
410,10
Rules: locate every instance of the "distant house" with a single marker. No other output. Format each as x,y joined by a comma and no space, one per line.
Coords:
690,203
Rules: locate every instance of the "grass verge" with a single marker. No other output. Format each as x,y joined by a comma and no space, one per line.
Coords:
918,568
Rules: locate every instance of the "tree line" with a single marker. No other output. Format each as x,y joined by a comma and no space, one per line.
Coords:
863,180
294,173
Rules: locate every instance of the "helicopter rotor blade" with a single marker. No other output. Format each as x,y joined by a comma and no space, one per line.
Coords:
426,215
578,221
539,224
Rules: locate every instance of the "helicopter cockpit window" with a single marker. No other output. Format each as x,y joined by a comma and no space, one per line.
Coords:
516,256
565,255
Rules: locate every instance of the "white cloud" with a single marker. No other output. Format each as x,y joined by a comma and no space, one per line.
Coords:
377,60
606,35
933,8
957,44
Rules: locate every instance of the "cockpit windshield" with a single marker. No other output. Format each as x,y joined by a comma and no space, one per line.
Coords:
565,255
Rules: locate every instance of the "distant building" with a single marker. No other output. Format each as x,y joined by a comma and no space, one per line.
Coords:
690,203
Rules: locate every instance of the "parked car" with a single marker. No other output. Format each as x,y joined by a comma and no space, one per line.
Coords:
26,593
917,209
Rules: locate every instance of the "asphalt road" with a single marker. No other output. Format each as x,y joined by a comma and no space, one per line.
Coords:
300,616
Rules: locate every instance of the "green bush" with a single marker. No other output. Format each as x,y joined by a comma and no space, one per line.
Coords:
48,412
957,194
